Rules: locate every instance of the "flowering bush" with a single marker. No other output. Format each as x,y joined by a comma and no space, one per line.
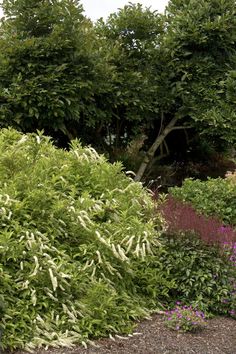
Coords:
73,231
204,274
183,217
184,318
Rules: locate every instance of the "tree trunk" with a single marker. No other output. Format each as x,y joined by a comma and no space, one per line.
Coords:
151,152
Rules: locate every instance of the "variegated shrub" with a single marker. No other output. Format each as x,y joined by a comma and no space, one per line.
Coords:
73,230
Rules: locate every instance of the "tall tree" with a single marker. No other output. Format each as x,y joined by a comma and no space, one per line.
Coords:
169,72
130,37
196,52
48,70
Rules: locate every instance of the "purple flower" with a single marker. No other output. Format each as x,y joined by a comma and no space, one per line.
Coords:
225,301
182,217
223,229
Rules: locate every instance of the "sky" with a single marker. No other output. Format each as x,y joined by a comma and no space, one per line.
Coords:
103,8
95,9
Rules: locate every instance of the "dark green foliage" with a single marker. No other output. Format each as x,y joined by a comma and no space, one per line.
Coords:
139,72
185,269
214,197
129,39
48,72
203,276
201,38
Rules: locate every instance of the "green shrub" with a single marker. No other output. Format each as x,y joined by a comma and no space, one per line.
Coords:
214,197
203,276
74,232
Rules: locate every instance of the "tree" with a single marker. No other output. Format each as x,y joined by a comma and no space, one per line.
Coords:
169,73
48,68
137,73
129,38
196,53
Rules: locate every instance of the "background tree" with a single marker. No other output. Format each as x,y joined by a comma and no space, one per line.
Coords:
138,77
196,52
48,72
130,37
169,74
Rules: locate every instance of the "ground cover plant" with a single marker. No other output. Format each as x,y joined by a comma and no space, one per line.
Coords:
184,318
73,232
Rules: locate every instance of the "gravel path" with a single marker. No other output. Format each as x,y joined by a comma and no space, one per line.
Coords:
154,338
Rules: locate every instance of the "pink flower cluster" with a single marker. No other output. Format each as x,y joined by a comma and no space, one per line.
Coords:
183,217
184,318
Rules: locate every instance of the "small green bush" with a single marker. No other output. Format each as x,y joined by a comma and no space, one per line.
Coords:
202,275
74,232
214,197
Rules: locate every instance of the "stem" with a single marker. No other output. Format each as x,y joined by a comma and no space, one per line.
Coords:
151,152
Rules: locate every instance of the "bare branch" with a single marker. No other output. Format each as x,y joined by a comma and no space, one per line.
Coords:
182,127
167,148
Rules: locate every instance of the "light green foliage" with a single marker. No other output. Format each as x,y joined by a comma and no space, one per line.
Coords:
73,232
214,197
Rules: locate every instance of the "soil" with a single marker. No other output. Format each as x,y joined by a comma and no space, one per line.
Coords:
152,337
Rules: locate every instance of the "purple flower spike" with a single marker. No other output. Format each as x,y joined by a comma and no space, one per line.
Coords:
182,217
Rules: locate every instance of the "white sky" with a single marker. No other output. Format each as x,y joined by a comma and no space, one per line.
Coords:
102,8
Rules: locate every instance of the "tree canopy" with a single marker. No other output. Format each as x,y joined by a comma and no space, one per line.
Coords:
139,73
49,71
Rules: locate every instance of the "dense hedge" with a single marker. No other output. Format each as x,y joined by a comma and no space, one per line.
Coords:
214,197
74,231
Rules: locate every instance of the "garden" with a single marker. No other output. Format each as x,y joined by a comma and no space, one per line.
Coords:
117,179
86,251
